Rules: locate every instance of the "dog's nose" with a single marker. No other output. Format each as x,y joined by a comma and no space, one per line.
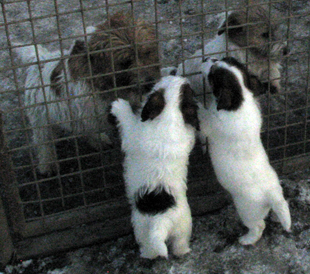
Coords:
286,51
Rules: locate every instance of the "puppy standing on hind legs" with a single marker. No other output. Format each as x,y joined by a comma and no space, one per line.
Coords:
157,145
232,124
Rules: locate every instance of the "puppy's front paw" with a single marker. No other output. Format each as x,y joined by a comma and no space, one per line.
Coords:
119,106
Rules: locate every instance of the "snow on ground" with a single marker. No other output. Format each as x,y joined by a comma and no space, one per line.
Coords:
215,247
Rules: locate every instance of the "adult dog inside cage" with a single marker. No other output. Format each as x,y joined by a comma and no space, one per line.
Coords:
82,182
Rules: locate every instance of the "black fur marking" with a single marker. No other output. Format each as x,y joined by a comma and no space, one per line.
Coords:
226,89
154,106
155,202
189,106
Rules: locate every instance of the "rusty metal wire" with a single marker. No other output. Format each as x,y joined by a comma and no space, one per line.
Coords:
286,132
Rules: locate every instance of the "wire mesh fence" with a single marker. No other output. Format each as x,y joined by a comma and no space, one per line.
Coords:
86,182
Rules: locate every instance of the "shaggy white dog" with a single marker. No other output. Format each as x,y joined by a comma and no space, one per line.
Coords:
232,124
157,145
71,91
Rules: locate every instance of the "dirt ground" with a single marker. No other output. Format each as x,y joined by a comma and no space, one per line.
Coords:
214,244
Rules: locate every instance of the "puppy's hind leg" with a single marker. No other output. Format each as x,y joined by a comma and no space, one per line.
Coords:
254,234
252,211
180,244
155,245
182,234
150,235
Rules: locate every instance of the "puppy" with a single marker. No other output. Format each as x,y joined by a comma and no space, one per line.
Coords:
251,37
232,124
74,94
157,144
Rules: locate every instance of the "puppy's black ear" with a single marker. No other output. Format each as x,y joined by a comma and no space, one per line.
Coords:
154,106
256,86
189,106
224,101
226,89
233,24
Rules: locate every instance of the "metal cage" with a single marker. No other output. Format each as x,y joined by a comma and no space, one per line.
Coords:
83,202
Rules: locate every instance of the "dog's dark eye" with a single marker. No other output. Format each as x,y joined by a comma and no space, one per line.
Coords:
266,35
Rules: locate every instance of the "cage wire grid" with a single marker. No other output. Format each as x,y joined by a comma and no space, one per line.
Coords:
86,177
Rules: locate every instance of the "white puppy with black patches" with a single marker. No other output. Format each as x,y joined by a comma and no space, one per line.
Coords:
232,124
157,143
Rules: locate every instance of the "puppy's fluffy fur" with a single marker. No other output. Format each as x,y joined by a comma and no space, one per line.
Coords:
250,36
232,124
76,94
157,144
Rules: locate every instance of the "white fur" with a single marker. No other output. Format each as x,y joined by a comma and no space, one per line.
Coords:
156,153
77,110
240,161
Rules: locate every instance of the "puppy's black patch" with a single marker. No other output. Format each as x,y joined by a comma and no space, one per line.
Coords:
155,202
226,89
154,106
189,106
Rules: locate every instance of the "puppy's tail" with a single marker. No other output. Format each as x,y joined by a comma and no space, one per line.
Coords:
29,54
280,207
